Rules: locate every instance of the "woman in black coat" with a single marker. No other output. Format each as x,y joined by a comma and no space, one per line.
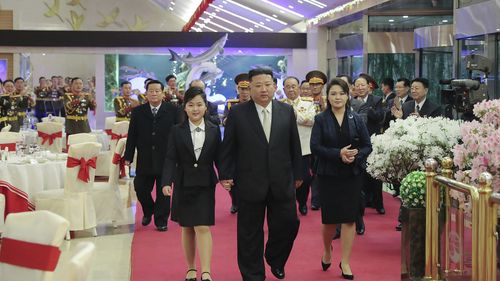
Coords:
192,151
341,143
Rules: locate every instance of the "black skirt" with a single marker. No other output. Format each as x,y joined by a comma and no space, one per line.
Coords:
340,198
193,206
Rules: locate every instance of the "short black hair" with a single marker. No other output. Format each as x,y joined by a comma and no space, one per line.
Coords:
40,79
170,76
339,82
260,71
388,81
371,82
291,77
6,81
349,78
424,81
191,83
74,79
303,81
147,80
18,78
124,83
53,77
405,81
152,81
192,92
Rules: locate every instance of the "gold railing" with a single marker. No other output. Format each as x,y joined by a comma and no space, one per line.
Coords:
484,221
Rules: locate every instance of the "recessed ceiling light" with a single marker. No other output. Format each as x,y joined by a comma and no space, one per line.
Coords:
224,2
498,29
173,3
211,17
391,20
257,12
445,20
268,20
300,1
228,21
171,8
243,18
275,16
405,17
283,8
221,6
290,6
261,22
281,11
256,26
217,10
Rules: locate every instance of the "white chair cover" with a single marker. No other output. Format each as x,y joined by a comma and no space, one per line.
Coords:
73,203
2,211
78,267
6,128
50,128
40,227
118,131
82,137
10,139
56,119
108,200
108,124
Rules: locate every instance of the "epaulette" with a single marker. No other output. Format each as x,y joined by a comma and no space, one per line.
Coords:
283,99
232,100
307,99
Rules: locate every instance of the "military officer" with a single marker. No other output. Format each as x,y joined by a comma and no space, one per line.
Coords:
317,81
125,103
142,97
43,102
24,100
10,103
305,110
76,104
243,93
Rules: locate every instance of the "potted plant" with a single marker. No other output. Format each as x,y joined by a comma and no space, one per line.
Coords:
413,189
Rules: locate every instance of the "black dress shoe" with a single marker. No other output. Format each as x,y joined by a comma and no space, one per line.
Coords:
146,220
314,207
162,228
278,272
346,276
360,226
381,211
399,227
191,279
234,209
303,210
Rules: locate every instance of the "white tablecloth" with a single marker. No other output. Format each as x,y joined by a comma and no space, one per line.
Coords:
31,136
33,178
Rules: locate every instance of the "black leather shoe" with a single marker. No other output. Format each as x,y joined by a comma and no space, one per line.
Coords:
146,220
314,207
399,227
278,272
303,210
346,276
234,209
191,279
381,211
360,226
162,228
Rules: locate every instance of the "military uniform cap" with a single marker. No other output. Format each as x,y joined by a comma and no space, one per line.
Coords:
242,80
316,76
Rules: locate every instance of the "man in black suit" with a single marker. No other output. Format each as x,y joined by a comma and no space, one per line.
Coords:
387,87
148,132
261,154
420,106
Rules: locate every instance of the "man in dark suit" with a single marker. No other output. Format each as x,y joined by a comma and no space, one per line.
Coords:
261,154
420,106
150,125
387,86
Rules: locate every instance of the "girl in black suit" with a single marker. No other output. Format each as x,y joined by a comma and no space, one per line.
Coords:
193,148
341,143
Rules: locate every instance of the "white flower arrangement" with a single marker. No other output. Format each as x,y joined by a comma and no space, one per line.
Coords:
407,143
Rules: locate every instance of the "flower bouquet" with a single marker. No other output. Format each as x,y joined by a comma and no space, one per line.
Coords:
406,144
413,190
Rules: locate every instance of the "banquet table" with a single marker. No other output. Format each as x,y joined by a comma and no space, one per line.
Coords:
21,180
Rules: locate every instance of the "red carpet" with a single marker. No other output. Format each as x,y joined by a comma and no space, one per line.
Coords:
376,255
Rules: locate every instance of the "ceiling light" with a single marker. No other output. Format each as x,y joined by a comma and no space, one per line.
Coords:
206,27
290,6
255,11
275,16
240,17
256,26
171,8
445,20
210,17
391,20
300,1
261,22
405,17
283,8
224,2
268,20
221,6
173,3
220,26
228,21
316,3
217,10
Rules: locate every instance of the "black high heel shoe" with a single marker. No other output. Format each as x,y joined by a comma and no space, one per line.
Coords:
324,265
346,276
202,279
190,279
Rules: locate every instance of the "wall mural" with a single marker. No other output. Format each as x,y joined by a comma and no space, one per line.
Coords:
212,66
76,16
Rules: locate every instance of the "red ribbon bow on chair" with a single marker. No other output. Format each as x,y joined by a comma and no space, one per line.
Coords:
29,255
83,173
117,136
10,146
108,132
49,137
118,160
